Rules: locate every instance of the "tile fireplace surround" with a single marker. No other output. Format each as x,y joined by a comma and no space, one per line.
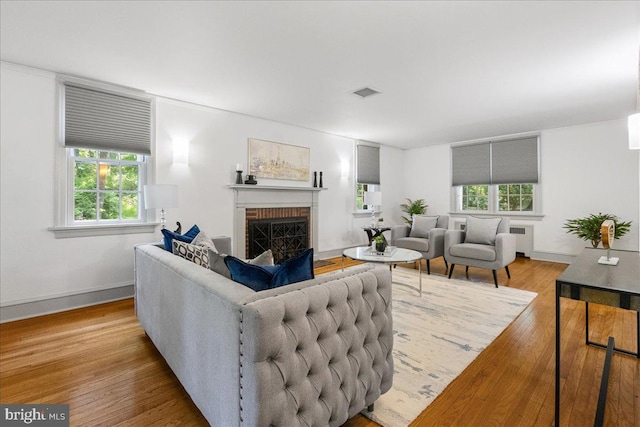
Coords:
257,196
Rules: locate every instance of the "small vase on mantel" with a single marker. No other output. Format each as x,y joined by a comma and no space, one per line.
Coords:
321,185
315,179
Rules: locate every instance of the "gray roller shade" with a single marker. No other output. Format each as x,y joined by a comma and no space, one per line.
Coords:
471,164
515,161
368,164
106,121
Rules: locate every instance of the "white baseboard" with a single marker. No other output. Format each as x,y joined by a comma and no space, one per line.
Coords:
562,258
29,309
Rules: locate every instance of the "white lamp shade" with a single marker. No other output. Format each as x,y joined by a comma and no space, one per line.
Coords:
634,131
160,196
373,198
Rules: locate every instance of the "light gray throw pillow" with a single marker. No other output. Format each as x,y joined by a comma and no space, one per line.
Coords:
422,224
203,240
216,261
482,230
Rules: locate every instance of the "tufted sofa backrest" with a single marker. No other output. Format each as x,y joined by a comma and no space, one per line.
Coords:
317,355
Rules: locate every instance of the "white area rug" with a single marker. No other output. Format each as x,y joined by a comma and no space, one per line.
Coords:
438,335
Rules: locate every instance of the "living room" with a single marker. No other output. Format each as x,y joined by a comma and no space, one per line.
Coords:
585,164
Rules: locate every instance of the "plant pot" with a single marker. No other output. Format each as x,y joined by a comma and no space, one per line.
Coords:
381,246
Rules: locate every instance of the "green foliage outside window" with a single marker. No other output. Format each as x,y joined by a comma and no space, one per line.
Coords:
515,197
106,185
475,197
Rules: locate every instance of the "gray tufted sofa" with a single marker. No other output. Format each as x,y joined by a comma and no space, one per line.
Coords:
313,353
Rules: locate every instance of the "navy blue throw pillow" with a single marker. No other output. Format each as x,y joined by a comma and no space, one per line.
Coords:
186,237
253,276
294,270
260,278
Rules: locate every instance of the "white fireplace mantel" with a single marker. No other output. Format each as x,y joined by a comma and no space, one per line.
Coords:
262,196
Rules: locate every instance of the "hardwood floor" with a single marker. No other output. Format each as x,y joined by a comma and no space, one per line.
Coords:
100,361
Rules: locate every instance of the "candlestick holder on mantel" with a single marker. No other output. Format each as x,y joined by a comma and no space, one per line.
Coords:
239,170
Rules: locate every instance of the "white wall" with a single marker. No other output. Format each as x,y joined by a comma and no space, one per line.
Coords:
34,265
37,266
218,140
584,169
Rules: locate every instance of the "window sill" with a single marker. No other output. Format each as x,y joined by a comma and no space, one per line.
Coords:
364,214
516,216
103,230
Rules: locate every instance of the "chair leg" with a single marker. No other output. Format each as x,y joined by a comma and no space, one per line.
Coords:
370,407
466,271
428,267
495,278
446,265
508,274
451,270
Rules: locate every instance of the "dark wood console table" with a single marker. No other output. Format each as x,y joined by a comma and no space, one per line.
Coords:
373,232
586,280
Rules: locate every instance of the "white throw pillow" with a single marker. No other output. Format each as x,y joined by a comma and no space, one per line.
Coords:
203,240
482,230
422,224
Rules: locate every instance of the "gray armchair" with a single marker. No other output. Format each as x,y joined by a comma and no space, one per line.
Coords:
426,236
485,243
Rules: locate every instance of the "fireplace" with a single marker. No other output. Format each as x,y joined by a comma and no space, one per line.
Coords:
286,209
286,237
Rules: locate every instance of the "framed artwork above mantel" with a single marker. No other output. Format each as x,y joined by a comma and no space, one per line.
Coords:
274,160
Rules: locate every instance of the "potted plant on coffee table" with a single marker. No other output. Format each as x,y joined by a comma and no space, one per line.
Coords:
381,243
589,228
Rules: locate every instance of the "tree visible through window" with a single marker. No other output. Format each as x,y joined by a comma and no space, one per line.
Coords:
106,185
515,197
475,197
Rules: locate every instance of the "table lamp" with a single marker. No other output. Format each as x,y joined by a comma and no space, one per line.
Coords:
161,196
373,199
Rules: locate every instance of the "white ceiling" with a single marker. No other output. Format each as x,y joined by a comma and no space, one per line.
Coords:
448,71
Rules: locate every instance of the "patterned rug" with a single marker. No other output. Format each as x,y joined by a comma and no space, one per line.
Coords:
438,335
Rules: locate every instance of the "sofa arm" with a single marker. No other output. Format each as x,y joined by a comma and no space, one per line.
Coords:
399,231
436,241
453,237
505,248
223,244
320,354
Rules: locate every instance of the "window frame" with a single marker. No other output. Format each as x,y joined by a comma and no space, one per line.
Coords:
64,224
142,166
493,209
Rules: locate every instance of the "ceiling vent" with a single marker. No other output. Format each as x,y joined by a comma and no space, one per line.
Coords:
365,92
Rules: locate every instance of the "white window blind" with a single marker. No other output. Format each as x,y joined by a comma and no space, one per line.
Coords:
513,161
368,162
107,121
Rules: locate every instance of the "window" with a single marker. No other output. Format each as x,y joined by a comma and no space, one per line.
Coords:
515,197
367,173
495,176
106,136
106,185
475,197
360,190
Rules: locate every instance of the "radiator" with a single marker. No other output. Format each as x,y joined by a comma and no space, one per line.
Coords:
523,233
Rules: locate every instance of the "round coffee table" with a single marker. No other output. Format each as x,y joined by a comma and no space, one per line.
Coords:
391,256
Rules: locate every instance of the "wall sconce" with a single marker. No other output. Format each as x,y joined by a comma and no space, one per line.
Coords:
344,169
634,131
180,152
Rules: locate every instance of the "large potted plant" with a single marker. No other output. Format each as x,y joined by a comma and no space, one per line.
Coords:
413,207
589,228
